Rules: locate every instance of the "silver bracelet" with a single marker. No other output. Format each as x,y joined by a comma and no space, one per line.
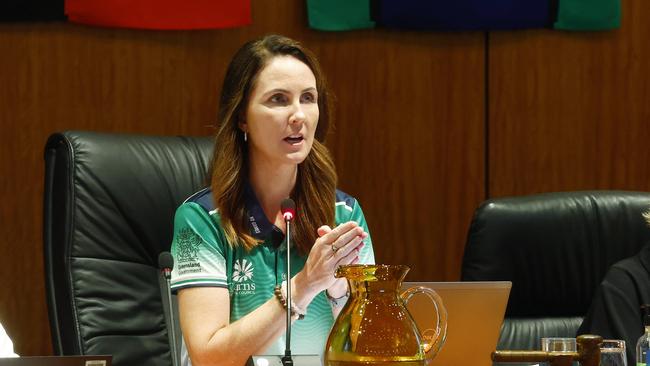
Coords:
338,301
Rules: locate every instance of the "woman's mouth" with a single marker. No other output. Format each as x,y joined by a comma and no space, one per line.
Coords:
293,140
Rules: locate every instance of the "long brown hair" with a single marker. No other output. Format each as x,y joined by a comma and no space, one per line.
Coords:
315,188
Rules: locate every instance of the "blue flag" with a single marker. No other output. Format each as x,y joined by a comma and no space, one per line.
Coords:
464,14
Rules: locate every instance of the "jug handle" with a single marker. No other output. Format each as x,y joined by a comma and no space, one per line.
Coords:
432,342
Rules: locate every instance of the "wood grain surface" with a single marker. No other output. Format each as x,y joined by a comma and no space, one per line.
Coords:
570,111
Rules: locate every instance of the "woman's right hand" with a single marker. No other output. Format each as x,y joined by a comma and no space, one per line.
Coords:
336,247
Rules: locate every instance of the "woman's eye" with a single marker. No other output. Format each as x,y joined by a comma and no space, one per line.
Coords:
278,99
308,98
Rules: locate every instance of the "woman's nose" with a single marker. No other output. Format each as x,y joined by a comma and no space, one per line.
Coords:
298,115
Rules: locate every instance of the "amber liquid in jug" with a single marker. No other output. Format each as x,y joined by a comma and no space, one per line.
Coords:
374,326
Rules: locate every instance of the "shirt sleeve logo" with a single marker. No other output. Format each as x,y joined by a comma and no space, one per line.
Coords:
189,243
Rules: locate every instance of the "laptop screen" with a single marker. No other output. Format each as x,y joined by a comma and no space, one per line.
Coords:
475,313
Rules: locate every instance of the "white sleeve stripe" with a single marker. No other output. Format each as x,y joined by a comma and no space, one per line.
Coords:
200,276
342,203
198,284
202,282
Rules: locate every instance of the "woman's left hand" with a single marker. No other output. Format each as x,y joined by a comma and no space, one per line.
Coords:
340,287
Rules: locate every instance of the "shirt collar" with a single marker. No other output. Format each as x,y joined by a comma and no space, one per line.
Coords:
260,226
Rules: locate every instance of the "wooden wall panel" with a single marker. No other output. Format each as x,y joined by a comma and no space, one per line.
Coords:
570,111
409,140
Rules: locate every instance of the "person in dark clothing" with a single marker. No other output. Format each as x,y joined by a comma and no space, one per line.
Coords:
615,311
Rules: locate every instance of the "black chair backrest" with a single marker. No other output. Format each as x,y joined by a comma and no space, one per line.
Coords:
108,212
555,248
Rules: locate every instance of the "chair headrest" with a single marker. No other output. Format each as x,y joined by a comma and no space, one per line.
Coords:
554,247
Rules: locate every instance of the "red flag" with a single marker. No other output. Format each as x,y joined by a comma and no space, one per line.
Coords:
160,14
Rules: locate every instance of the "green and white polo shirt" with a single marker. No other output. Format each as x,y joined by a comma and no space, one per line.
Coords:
203,258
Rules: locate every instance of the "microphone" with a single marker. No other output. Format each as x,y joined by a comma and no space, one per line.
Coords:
288,209
166,264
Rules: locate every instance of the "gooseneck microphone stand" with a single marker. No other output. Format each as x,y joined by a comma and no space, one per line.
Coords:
166,264
288,207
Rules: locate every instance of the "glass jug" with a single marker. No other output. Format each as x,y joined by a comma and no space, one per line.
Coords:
374,326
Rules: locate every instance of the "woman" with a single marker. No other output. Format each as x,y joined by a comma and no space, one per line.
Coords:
229,239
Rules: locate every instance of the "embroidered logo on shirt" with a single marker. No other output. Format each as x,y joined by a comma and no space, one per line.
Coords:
188,245
256,229
243,270
242,276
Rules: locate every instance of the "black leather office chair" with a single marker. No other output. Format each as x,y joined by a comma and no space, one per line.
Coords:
555,248
109,206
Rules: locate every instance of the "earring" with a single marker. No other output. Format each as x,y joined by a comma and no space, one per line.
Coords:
245,136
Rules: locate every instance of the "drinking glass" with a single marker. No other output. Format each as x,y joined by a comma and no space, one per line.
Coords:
612,353
553,344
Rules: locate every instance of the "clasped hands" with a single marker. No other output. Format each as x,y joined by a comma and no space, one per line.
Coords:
334,247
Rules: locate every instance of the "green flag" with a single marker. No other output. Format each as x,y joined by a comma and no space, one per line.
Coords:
339,15
588,14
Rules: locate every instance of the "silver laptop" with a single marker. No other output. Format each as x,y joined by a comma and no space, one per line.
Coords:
475,314
57,361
